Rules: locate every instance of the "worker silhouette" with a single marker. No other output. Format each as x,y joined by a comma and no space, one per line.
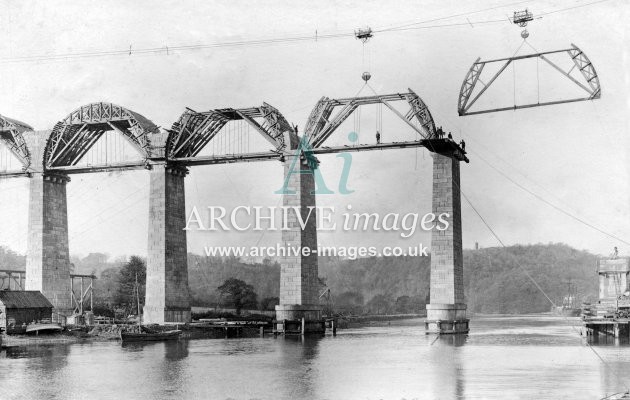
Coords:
378,137
462,144
440,133
615,253
450,137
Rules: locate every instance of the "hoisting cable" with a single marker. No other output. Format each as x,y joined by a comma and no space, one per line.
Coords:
537,69
521,267
514,82
553,205
606,364
487,225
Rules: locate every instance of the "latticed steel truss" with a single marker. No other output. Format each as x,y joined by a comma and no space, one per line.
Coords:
580,62
73,136
11,135
320,126
194,130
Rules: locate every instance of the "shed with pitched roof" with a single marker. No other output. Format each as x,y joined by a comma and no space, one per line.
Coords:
19,308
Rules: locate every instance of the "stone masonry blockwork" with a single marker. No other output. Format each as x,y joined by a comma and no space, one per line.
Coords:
167,294
446,311
299,297
48,258
447,266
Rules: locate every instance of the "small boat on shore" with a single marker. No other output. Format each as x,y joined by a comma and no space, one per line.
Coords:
43,327
150,336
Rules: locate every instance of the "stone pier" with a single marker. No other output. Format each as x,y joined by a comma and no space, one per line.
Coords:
446,312
167,295
48,256
299,283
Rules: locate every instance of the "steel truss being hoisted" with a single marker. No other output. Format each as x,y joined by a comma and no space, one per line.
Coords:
580,62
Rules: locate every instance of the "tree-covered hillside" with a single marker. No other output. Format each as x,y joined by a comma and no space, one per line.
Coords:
494,282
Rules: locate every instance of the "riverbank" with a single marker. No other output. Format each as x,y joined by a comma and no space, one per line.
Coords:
223,328
102,333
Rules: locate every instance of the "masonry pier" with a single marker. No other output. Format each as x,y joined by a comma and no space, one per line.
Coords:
446,312
167,295
299,308
47,256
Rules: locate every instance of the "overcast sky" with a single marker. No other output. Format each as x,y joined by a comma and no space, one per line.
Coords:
573,155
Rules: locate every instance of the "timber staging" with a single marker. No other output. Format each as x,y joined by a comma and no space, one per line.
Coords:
617,328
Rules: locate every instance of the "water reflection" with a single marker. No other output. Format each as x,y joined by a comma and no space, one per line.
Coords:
502,357
453,340
44,362
48,352
177,350
607,340
448,370
166,370
172,375
296,361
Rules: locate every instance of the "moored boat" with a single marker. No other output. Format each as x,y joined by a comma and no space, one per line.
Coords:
569,306
150,336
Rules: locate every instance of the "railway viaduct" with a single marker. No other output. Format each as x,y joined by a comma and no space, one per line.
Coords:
49,159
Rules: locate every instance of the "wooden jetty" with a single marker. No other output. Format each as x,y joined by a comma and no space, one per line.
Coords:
229,329
298,327
616,327
150,336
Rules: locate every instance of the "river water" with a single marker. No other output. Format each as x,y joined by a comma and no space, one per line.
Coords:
504,357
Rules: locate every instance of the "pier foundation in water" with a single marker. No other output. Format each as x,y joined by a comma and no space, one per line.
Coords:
446,312
299,309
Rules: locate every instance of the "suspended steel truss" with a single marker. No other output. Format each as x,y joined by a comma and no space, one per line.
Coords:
194,130
11,134
320,126
473,87
73,136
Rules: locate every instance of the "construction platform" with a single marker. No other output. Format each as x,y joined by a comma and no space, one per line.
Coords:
610,316
617,328
303,327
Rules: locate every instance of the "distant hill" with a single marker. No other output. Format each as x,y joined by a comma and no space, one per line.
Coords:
494,282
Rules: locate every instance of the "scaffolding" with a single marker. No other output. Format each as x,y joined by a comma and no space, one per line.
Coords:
12,279
86,291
